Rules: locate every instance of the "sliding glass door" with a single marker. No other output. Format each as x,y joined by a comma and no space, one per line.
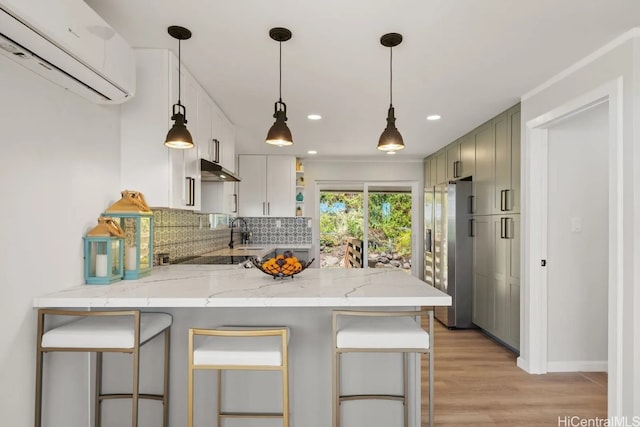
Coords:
368,225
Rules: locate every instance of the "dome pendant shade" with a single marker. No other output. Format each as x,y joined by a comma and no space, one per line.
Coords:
279,134
179,136
391,140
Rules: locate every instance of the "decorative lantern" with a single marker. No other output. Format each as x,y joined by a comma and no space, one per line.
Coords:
136,219
103,253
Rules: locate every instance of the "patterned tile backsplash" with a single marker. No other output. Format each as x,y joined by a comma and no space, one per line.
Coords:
184,234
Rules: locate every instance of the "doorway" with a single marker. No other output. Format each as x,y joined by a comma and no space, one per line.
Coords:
577,241
535,302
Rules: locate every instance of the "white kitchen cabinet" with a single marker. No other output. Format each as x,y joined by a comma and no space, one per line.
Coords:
166,177
267,186
216,144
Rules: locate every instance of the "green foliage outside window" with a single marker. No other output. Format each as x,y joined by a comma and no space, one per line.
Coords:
389,220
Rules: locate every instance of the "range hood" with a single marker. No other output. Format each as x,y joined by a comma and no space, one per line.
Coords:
210,171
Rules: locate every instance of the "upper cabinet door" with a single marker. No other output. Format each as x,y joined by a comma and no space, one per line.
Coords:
281,179
454,171
441,167
468,155
483,186
502,163
513,195
252,198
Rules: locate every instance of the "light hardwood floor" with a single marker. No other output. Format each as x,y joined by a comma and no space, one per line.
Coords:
477,383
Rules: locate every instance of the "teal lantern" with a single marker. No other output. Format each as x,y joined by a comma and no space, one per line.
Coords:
136,220
103,253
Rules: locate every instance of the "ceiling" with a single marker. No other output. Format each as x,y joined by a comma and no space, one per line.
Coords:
466,60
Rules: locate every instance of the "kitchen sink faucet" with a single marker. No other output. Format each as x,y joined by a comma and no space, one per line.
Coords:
245,232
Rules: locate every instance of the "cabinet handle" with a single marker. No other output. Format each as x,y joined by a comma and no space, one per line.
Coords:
264,208
456,169
235,204
192,192
268,208
216,151
428,246
472,227
471,202
502,201
508,228
502,228
508,200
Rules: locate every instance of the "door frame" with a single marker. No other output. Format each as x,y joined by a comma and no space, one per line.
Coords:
533,315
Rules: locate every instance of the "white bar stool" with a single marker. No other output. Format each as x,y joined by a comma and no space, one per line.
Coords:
382,332
240,348
123,331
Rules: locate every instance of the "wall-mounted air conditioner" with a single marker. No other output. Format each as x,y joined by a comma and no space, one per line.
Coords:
68,43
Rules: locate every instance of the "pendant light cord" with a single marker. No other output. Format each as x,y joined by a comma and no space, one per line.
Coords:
391,76
179,67
280,86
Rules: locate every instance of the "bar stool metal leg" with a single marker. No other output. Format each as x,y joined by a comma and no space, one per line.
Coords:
98,391
165,397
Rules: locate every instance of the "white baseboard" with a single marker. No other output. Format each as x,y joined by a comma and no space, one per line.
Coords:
577,366
522,363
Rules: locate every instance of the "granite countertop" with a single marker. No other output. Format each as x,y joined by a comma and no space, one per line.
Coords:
256,249
234,286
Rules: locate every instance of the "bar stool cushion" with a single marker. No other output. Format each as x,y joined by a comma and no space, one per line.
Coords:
240,351
105,331
380,332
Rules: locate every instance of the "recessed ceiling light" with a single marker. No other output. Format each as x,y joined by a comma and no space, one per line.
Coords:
433,117
391,152
312,152
314,117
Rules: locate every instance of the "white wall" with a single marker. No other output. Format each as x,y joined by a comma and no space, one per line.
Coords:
59,169
621,60
578,267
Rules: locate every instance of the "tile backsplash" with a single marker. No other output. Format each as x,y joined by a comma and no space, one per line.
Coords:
184,234
292,229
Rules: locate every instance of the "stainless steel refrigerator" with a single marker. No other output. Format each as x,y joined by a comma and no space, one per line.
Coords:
449,249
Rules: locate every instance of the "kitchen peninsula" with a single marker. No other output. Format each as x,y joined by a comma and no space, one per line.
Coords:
211,295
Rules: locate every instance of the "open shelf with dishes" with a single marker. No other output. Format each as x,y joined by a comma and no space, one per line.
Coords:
299,188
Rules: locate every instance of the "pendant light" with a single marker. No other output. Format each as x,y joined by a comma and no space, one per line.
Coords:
279,134
179,136
391,140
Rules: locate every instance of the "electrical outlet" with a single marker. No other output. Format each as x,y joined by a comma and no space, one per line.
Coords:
309,223
278,223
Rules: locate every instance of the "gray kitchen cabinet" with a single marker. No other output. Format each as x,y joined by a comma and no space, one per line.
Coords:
483,300
483,180
467,156
513,115
268,185
454,170
496,291
427,172
507,162
441,167
430,171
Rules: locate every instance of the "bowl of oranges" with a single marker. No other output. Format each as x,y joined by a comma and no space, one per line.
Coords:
282,265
